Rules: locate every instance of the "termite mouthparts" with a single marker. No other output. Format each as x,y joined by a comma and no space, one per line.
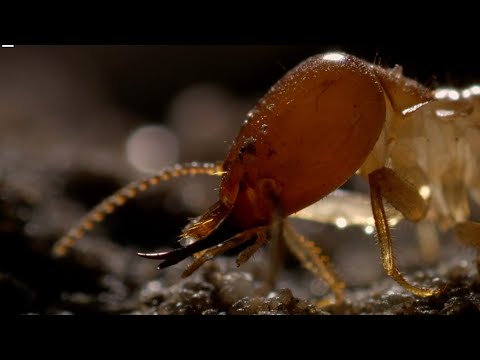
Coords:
331,117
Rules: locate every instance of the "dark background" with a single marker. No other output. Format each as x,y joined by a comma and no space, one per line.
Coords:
132,74
143,79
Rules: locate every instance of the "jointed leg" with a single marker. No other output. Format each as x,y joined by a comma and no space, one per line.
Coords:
276,253
468,233
224,246
246,254
311,257
428,241
406,199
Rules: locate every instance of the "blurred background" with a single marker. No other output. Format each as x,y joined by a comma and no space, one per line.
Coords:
79,122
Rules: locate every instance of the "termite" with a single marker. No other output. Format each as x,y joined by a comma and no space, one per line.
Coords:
331,117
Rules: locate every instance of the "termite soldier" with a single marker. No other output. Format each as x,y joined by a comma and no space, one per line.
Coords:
329,118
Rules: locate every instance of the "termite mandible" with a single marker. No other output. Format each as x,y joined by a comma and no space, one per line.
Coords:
331,117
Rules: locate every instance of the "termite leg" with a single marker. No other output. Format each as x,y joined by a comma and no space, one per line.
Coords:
401,194
275,236
246,254
312,258
131,191
224,246
468,233
428,241
406,199
276,254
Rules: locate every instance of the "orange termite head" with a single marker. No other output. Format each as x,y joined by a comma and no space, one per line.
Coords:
307,136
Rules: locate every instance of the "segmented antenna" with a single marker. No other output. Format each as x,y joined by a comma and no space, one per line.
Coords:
131,191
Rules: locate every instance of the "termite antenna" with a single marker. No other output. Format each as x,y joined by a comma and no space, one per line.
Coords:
131,191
